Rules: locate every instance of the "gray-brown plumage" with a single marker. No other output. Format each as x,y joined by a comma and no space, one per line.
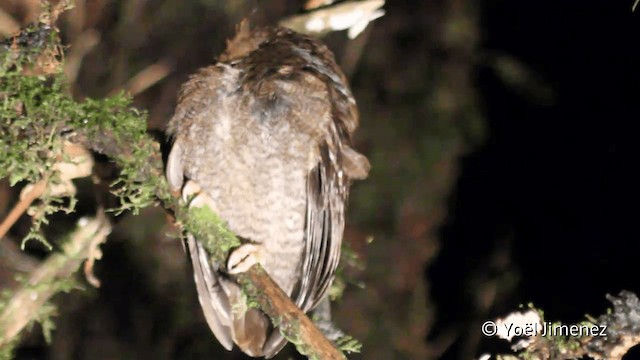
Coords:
266,134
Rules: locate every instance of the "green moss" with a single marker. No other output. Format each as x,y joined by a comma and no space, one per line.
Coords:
32,111
45,316
291,331
211,231
38,113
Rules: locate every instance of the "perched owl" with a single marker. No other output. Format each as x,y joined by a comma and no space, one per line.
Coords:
264,136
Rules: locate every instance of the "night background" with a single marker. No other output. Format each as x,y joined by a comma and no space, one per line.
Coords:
502,153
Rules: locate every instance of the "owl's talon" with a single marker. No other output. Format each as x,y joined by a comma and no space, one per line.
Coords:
193,195
191,189
243,258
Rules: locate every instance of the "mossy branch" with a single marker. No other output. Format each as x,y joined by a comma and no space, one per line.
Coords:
39,116
293,323
51,277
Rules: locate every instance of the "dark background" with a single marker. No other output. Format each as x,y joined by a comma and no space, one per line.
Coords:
502,143
553,182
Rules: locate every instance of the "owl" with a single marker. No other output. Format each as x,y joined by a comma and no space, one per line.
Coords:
264,137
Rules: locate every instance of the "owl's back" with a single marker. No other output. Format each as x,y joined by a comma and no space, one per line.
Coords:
252,159
266,134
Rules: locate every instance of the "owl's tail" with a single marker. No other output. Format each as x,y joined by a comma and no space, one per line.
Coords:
226,310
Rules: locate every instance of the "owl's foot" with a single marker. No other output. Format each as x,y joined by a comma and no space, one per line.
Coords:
193,195
243,258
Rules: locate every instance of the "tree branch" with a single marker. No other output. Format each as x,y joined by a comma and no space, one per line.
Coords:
51,277
293,323
36,191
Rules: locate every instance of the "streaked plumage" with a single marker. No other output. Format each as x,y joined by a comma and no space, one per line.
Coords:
266,133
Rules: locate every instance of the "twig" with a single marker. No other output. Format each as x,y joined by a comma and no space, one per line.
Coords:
82,45
79,163
351,15
44,282
94,253
36,191
146,78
